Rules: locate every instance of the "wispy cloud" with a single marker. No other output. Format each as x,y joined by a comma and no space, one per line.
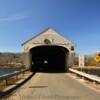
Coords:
15,17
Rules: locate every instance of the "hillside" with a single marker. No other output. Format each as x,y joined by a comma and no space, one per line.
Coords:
16,60
10,59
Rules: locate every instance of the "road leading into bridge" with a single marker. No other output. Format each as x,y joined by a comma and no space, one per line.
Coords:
54,86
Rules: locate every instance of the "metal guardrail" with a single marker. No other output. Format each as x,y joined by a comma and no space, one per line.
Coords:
15,73
85,75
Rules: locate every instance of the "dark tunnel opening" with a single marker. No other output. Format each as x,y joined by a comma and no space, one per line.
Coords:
49,58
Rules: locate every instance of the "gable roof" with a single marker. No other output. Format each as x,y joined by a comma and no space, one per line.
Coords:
42,33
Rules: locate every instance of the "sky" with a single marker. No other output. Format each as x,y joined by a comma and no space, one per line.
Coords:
77,20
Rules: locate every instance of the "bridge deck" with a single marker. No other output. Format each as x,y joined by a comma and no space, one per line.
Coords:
54,86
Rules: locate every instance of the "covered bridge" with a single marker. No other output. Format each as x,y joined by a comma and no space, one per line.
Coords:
48,50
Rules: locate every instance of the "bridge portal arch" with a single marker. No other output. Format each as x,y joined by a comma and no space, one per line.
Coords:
49,57
48,50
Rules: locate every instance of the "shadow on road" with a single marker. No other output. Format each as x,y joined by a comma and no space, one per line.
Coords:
38,86
51,70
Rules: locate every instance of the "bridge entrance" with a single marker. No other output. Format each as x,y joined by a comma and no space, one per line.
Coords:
48,50
49,58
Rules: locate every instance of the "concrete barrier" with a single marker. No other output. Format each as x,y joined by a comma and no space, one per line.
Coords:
85,75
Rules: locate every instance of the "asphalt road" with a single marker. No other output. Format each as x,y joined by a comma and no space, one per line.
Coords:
54,86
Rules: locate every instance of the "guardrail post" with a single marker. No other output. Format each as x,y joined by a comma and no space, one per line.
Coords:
23,73
6,81
17,77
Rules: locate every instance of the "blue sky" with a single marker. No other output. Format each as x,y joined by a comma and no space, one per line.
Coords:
79,20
